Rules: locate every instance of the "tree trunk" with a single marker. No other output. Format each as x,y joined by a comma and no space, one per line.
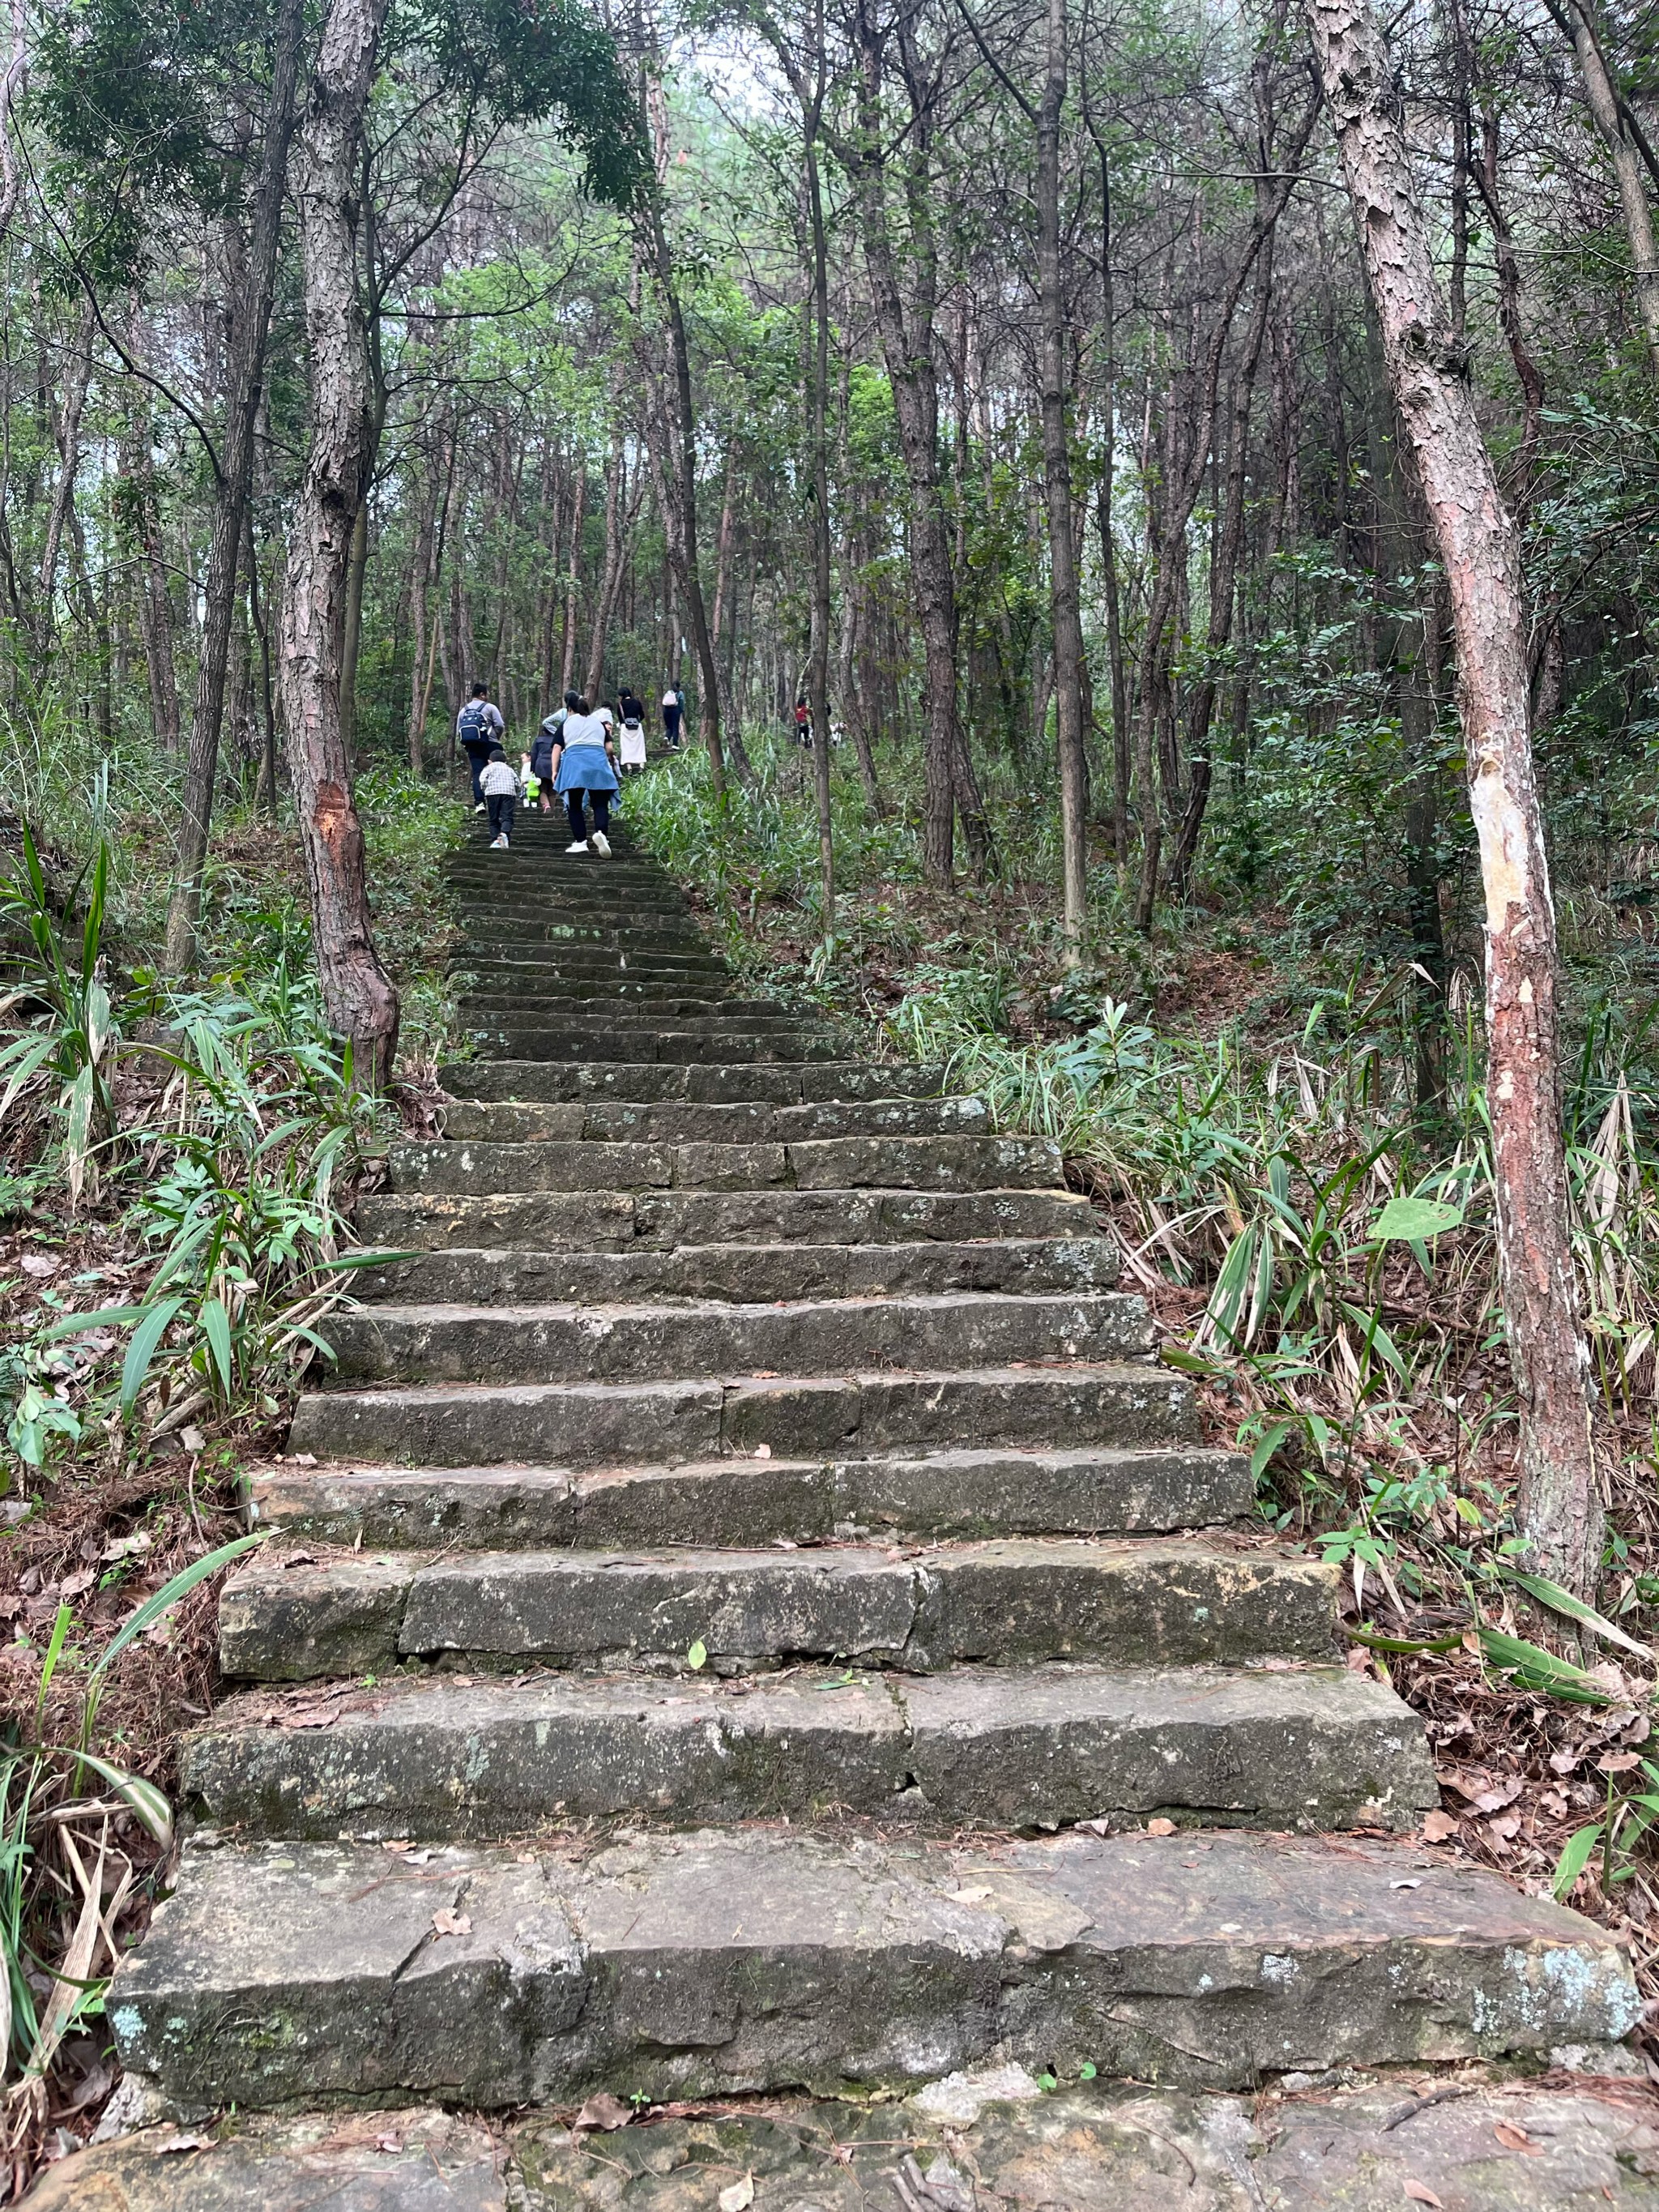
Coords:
817,666
361,1000
1057,484
1560,1512
612,576
1577,18
250,327
154,601
573,573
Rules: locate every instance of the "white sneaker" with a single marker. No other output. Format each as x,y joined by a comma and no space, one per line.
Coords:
581,847
481,808
601,844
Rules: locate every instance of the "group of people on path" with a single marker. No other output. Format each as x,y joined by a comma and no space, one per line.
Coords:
577,753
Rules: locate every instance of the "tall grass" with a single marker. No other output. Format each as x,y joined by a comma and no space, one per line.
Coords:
1336,1248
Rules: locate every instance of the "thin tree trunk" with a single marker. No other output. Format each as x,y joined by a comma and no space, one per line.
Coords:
250,327
1509,313
1577,18
573,573
612,576
1057,484
420,658
1560,1512
67,430
154,601
359,996
817,667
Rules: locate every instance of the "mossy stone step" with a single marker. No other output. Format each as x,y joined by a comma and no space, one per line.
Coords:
746,1273
605,1041
640,1342
747,1121
1302,1748
1137,1602
536,1081
966,1493
666,1423
955,1164
584,1218
700,1965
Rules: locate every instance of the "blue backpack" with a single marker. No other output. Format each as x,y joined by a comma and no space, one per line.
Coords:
472,726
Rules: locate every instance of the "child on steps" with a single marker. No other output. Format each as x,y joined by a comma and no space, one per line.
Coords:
499,782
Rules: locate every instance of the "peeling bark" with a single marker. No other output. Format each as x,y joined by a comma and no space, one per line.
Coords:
1560,1510
359,996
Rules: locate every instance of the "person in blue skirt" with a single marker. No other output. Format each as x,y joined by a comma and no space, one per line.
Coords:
584,773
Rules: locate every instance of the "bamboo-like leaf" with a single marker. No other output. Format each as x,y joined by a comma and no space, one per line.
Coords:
163,1600
148,1803
1535,1669
215,1327
1576,1854
1574,1608
142,1349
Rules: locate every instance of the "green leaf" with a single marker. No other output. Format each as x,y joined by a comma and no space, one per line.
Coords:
168,1595
1535,1669
1410,1221
215,1326
697,1656
1269,1444
146,1801
1575,1857
1563,1601
105,1318
142,1350
1087,2071
1190,1363
1398,1645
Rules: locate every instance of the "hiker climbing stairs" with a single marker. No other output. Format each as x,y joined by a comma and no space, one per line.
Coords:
747,1609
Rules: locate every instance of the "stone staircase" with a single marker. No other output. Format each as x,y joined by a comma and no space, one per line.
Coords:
740,1539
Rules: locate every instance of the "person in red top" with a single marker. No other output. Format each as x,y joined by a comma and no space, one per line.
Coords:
803,723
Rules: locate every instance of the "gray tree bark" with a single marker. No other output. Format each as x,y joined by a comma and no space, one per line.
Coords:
1560,1507
359,996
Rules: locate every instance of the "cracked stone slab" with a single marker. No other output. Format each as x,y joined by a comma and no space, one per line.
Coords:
1134,1603
1314,1747
762,1959
745,1502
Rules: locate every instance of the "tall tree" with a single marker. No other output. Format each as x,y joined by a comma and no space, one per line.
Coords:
1478,545
359,997
250,329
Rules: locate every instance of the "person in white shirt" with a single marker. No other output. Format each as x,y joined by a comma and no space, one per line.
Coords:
671,719
498,781
584,773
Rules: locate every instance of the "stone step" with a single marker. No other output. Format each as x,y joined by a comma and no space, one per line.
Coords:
550,989
606,1042
473,1343
593,1219
514,964
747,1273
944,1163
1314,1747
746,1502
700,1965
666,1423
613,1010
749,1120
1145,1601
540,1081
993,2137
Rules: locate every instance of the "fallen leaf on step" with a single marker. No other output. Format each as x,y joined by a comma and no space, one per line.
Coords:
1097,1827
388,2143
1514,2138
604,2110
304,1459
1160,1827
763,1451
193,1439
398,1843
451,1923
175,2143
38,1265
1438,1826
1415,1882
738,2196
970,1896
1420,2193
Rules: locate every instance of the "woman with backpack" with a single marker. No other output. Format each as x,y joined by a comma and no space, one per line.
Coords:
584,770
631,743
